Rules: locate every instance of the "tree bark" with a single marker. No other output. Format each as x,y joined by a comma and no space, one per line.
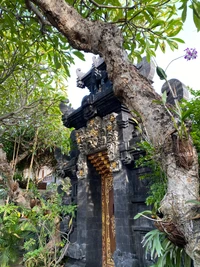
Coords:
5,168
137,94
14,192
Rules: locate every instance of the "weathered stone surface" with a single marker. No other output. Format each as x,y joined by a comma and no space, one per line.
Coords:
147,69
74,263
125,259
76,251
179,89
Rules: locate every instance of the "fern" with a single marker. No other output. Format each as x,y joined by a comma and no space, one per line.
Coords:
163,251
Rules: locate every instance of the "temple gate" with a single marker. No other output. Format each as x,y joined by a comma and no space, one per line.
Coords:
105,181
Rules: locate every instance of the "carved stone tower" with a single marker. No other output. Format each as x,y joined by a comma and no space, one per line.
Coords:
105,181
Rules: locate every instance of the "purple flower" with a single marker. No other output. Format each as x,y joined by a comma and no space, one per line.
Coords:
191,53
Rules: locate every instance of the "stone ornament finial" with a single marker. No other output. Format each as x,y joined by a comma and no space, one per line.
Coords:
65,107
97,61
147,69
179,88
79,74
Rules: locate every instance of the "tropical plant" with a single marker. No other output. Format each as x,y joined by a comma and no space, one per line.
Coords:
177,114
34,234
191,111
157,181
163,251
32,85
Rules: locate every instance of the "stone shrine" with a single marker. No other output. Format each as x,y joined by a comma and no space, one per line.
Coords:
106,185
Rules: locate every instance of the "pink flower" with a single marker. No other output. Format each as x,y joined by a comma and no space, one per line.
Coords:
191,53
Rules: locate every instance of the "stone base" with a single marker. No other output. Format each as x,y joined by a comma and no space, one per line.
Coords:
125,259
74,263
76,251
75,255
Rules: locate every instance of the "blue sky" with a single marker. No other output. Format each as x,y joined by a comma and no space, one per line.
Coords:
188,72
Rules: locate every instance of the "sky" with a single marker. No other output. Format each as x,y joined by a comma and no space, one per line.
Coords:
188,72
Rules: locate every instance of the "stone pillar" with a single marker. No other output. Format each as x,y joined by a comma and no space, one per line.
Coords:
77,250
123,256
93,221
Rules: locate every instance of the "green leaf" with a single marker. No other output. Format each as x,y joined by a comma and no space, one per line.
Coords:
159,102
184,13
79,55
66,69
187,260
162,46
146,212
196,21
56,61
161,73
194,201
178,40
164,97
156,23
196,14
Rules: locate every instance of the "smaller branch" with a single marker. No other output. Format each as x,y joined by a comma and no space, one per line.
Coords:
65,247
155,220
21,157
39,15
16,155
111,7
32,158
162,4
12,113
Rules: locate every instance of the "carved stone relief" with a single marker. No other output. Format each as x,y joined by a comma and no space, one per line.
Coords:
100,134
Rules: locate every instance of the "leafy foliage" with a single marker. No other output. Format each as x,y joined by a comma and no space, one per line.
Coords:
30,73
34,66
30,231
195,6
146,25
191,113
156,177
163,251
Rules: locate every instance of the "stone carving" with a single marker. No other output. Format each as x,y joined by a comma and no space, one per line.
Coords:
147,69
179,88
75,251
100,134
65,107
82,167
126,157
79,74
96,80
130,136
89,110
124,259
102,137
97,61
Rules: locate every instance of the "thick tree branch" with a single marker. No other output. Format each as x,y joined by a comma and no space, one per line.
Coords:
107,40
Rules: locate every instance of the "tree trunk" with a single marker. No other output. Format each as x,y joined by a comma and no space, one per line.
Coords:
15,193
137,94
5,168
